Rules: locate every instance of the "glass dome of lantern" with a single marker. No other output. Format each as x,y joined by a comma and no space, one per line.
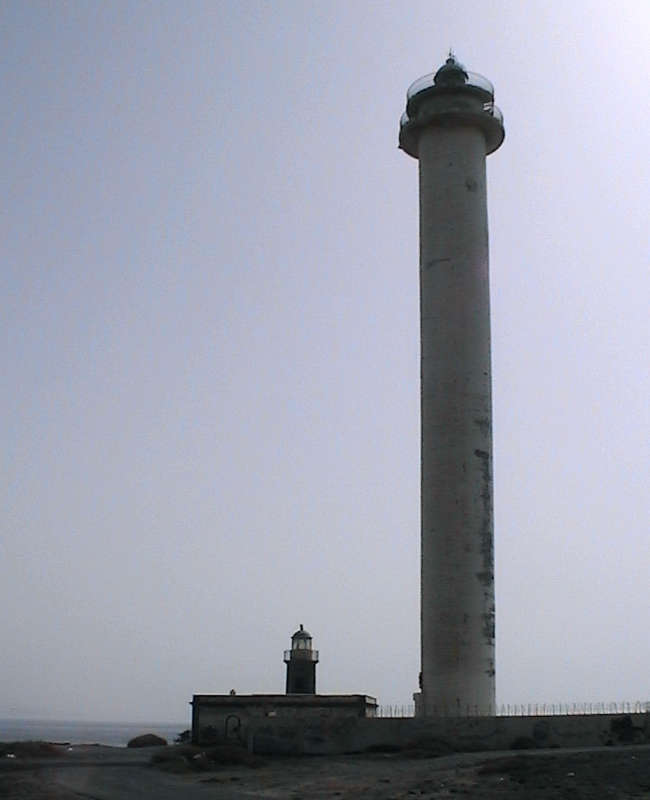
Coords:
301,640
301,646
450,95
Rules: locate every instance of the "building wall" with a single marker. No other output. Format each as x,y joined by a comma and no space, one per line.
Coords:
328,736
236,717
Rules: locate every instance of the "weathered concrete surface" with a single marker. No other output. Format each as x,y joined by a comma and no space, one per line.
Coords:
457,600
229,717
450,127
474,734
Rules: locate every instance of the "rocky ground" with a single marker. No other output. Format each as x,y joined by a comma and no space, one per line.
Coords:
104,773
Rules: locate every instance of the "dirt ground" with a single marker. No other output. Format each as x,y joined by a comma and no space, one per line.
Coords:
104,773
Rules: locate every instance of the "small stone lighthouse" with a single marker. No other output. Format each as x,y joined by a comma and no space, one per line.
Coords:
449,126
301,663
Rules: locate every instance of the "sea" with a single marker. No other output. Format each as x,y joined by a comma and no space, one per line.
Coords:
114,734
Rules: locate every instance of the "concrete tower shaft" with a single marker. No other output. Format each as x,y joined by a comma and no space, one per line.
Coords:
450,125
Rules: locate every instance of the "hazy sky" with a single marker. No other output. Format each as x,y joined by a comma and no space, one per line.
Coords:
211,359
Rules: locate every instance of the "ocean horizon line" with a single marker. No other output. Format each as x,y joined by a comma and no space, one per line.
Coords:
76,732
86,720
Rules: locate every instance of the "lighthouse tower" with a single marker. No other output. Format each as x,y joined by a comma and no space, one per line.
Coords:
450,125
301,663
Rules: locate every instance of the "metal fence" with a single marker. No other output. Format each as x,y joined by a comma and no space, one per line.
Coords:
567,709
527,709
396,711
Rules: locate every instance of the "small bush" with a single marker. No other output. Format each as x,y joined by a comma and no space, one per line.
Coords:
147,740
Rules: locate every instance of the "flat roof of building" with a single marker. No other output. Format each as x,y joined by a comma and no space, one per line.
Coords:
283,699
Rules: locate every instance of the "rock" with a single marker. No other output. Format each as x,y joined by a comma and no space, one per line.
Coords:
147,740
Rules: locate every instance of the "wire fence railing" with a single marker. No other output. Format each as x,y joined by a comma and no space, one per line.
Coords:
396,711
526,709
569,709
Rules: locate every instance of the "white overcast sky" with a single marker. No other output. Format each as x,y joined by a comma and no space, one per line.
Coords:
210,347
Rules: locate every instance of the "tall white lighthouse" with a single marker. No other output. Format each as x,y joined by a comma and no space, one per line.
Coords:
450,125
